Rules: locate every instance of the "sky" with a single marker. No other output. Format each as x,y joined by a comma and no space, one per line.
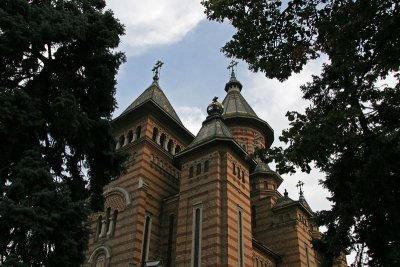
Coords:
194,71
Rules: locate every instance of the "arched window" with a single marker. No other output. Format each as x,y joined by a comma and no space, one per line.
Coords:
234,168
98,226
108,218
177,149
206,163
146,239
138,131
130,136
243,180
238,172
198,169
121,141
162,139
191,172
169,146
112,224
155,134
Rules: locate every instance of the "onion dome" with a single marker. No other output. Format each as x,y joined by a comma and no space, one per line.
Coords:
213,127
215,108
214,132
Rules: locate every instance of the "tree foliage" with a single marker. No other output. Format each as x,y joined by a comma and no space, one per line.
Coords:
351,131
57,86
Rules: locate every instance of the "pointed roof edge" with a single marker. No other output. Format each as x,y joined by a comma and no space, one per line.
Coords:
149,94
290,203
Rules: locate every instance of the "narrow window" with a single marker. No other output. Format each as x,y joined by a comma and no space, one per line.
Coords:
162,140
253,216
115,215
169,146
108,218
170,236
238,172
243,177
307,256
155,134
138,131
234,168
130,136
191,172
206,163
146,240
240,239
196,244
198,169
121,141
98,226
177,149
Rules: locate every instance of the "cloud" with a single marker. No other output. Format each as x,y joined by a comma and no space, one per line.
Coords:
153,23
274,98
191,117
271,99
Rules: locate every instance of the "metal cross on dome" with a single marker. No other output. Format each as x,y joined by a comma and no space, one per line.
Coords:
156,70
300,185
232,66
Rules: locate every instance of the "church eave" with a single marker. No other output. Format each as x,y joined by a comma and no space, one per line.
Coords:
150,106
293,204
213,142
259,123
273,174
258,245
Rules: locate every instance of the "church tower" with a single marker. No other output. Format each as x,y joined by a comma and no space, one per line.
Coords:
191,201
214,224
131,228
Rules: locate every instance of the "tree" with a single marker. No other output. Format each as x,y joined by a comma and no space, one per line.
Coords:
351,131
57,87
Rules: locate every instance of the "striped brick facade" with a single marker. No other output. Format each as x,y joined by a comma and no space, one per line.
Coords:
179,203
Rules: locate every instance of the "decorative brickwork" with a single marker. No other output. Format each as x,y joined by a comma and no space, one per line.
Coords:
191,201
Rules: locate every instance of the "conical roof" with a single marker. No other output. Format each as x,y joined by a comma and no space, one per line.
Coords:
235,105
236,109
303,201
210,130
156,95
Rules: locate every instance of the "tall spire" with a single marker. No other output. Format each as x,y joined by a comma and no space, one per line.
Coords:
156,70
233,67
233,82
300,185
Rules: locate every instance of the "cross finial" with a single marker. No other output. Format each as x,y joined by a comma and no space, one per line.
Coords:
232,66
300,185
215,99
156,70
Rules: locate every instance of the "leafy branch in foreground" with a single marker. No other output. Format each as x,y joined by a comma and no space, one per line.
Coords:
57,87
351,130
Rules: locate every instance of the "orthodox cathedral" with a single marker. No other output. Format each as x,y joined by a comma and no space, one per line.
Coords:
198,200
